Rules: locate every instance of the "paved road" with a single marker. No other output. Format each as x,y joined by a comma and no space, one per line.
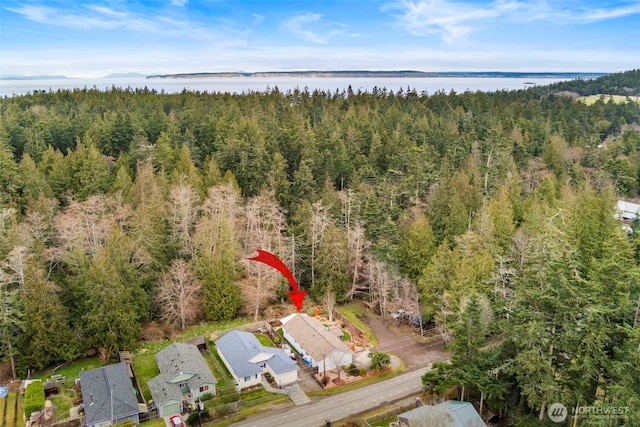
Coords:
342,405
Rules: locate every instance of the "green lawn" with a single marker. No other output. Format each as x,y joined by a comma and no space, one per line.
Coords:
70,370
158,422
145,366
354,312
13,416
264,340
63,405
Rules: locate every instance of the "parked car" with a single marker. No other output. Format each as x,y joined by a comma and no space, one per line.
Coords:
176,421
416,321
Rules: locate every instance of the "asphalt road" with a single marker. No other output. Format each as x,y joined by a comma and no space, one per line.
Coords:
342,405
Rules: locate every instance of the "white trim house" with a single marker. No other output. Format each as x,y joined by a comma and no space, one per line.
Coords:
248,360
317,346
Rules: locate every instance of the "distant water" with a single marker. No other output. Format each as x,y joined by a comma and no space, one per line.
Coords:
429,85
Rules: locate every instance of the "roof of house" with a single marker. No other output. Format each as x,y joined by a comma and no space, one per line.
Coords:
97,388
244,353
628,210
176,359
447,414
185,358
312,336
162,390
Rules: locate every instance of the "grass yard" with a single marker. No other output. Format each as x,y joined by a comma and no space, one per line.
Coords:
207,328
70,370
145,366
11,410
63,405
158,422
354,312
618,99
264,340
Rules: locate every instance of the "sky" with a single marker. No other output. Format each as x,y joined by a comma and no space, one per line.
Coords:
90,39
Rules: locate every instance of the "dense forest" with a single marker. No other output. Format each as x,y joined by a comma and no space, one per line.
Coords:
126,211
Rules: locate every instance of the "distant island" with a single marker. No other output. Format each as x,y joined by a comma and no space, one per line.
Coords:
124,76
385,74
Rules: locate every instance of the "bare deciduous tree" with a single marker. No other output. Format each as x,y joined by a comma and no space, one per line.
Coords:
317,226
259,286
338,358
262,229
178,295
356,244
329,302
183,202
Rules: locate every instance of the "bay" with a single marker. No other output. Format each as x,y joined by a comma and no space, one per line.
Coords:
428,85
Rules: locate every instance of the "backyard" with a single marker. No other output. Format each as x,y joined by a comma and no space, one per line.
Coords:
11,409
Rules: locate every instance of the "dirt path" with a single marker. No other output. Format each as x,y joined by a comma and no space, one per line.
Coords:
404,342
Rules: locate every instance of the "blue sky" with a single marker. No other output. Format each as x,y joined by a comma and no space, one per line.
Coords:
96,38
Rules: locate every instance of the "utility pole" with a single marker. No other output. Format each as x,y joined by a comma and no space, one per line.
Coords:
200,409
111,405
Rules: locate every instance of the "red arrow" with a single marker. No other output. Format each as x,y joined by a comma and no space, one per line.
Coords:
275,262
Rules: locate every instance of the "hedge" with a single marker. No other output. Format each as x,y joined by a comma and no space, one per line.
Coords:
33,398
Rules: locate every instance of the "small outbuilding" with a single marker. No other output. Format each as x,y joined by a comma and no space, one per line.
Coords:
446,414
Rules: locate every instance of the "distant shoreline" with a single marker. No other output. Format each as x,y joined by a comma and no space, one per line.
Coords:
380,74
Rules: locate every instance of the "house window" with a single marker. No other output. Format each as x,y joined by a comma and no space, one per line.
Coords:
256,376
204,388
246,379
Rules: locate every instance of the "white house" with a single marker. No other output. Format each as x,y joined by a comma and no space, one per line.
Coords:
317,346
247,360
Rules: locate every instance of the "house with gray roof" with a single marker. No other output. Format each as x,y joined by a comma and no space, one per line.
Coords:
109,395
184,378
247,360
315,343
446,414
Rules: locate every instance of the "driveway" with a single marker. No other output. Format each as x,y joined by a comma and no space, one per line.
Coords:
405,342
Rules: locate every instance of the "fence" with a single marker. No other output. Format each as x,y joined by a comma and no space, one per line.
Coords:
392,412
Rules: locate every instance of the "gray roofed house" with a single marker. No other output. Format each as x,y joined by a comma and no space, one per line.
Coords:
446,414
109,396
317,346
628,211
247,360
184,376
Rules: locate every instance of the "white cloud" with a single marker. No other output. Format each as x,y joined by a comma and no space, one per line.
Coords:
452,19
596,15
448,19
92,17
299,25
179,3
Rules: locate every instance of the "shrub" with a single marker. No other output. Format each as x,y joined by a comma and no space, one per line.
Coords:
353,370
363,372
379,360
33,398
194,420
206,396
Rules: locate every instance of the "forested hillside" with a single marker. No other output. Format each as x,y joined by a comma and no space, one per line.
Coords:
493,213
